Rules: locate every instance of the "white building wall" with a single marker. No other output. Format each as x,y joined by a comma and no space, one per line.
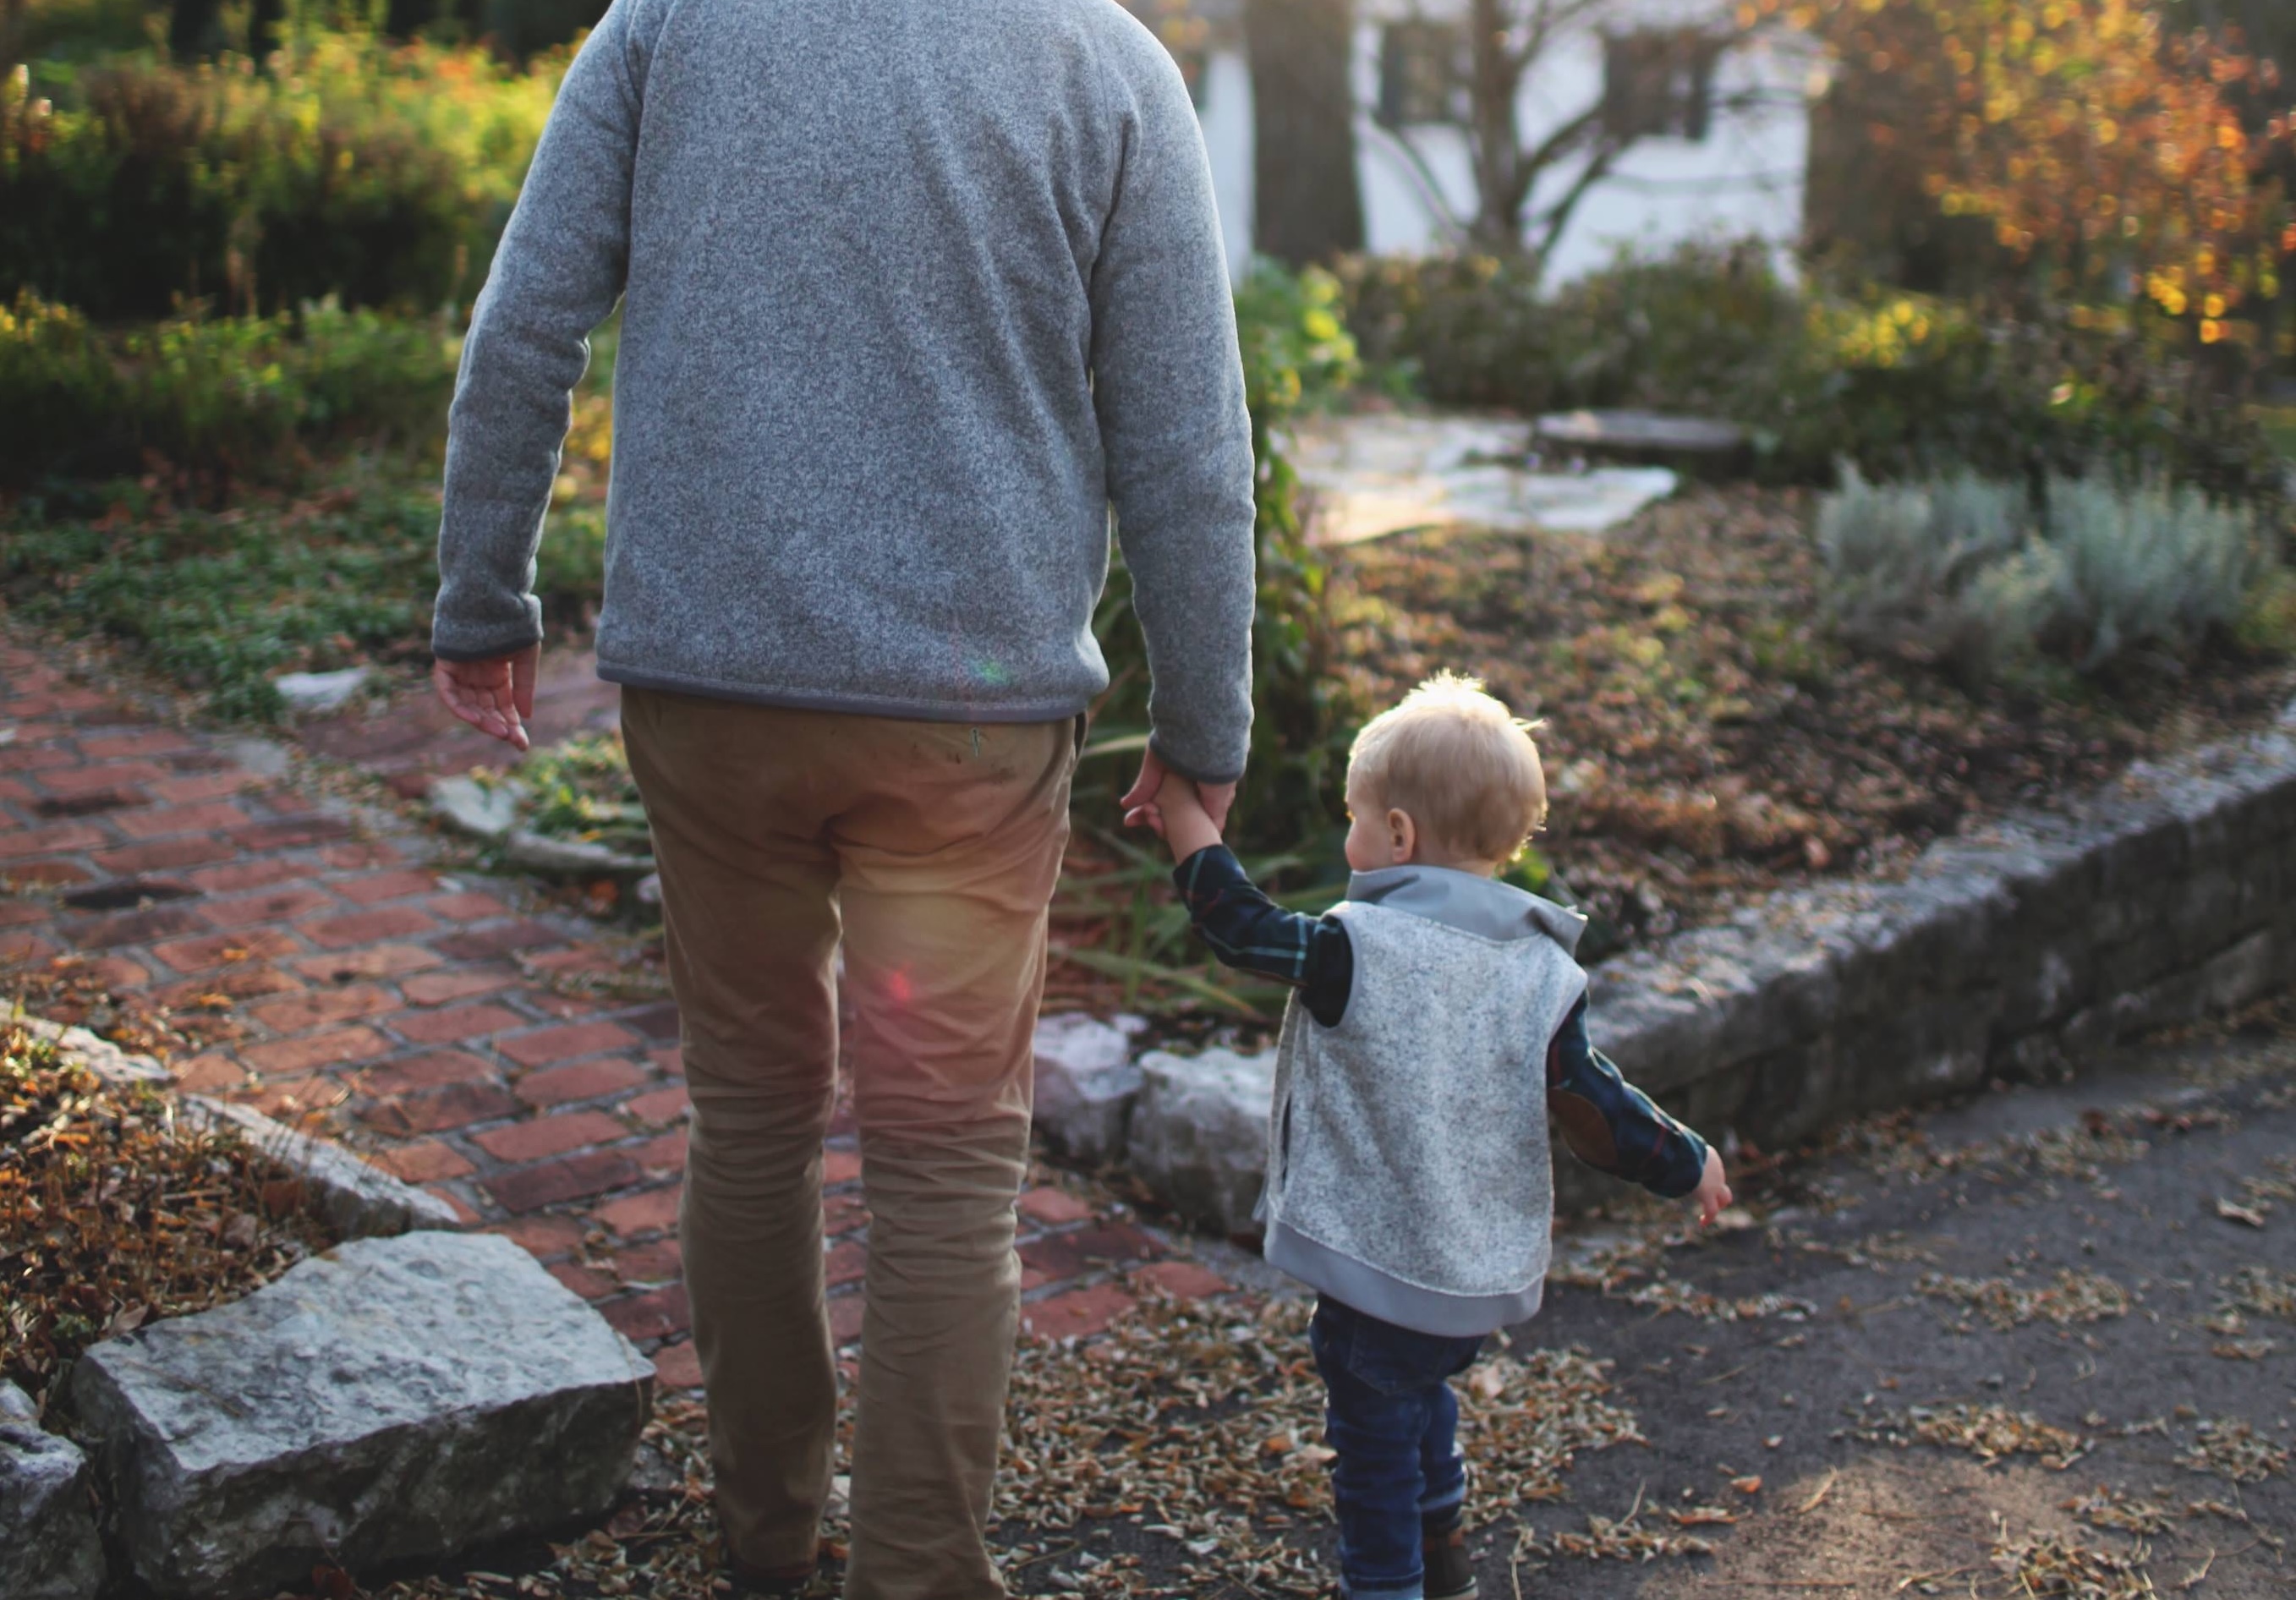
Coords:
1744,179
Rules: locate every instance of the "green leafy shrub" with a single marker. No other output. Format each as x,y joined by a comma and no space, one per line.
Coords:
1897,384
231,394
376,173
1297,354
1977,574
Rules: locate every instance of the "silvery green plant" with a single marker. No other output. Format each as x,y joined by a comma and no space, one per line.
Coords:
2152,562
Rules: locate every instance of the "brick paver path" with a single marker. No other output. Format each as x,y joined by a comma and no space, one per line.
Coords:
432,1019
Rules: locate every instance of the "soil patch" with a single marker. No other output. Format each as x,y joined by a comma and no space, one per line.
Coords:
1707,738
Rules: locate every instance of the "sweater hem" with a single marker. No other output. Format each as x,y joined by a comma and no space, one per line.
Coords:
858,705
1382,1295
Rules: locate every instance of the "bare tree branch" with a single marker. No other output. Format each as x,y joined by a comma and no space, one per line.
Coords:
1424,178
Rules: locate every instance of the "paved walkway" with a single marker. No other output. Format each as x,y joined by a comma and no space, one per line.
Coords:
466,1042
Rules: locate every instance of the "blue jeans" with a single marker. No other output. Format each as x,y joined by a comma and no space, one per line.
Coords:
1391,1419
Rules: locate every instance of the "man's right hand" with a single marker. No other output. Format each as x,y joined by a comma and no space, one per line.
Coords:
1216,798
492,697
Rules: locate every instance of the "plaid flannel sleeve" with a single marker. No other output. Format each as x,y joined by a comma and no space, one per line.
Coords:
1253,933
1612,1126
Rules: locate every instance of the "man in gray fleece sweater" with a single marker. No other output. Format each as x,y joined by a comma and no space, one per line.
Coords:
914,292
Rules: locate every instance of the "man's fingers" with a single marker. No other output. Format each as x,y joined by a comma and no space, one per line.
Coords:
1218,800
1144,787
524,668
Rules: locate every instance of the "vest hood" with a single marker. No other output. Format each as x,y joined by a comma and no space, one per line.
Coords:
1469,902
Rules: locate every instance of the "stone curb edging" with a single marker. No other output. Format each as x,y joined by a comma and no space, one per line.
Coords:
360,1201
2016,949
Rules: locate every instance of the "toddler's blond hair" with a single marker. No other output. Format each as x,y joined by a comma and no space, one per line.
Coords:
1458,763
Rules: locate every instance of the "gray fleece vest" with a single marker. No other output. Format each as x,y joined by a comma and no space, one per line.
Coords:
1407,1162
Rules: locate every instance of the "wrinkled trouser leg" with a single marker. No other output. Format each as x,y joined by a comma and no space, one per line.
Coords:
942,841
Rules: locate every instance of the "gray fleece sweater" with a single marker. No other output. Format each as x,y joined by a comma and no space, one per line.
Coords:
914,292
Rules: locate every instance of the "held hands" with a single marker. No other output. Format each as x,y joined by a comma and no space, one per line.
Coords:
1713,1191
1187,815
492,697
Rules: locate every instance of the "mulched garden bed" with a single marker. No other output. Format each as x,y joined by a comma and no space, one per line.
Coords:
112,1214
1709,738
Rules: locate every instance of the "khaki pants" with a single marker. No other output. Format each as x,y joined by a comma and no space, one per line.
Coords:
930,849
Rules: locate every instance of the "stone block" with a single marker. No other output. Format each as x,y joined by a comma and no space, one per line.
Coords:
1085,1086
48,1544
1199,1133
392,1400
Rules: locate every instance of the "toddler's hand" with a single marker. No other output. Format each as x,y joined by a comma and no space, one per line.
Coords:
1178,814
1713,1191
1150,817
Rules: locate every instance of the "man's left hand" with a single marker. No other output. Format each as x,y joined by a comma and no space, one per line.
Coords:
493,696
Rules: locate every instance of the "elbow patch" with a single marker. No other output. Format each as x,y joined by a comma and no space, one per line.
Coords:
1585,1130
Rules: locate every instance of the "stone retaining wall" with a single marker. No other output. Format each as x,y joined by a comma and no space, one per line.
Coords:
2014,950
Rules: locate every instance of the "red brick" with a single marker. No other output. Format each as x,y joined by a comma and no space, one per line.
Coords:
467,908
1182,1280
287,834
378,886
659,1105
677,1366
319,1008
1054,1207
564,1007
22,914
653,1315
656,1262
90,803
11,789
96,779
431,1070
223,949
18,949
845,1316
485,944
846,1264
634,1214
426,1160
367,927
211,1073
463,1214
1070,1255
241,875
437,1110
204,785
149,742
435,988
55,874
567,1177
549,1135
133,927
165,822
364,856
1078,1314
278,906
587,959
115,972
666,1153
564,1043
316,1052
842,1213
583,1080
21,757
588,1282
228,985
382,961
461,1022
165,856
543,1234
51,841
840,1166
669,1063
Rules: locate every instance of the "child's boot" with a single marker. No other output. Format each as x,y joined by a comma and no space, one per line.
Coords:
1450,1575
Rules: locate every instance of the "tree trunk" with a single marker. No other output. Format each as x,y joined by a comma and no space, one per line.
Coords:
1493,81
1306,205
193,27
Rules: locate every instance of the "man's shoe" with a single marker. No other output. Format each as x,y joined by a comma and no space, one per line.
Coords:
1450,1576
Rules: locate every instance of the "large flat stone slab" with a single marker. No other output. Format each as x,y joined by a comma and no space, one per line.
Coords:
391,1399
48,1543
